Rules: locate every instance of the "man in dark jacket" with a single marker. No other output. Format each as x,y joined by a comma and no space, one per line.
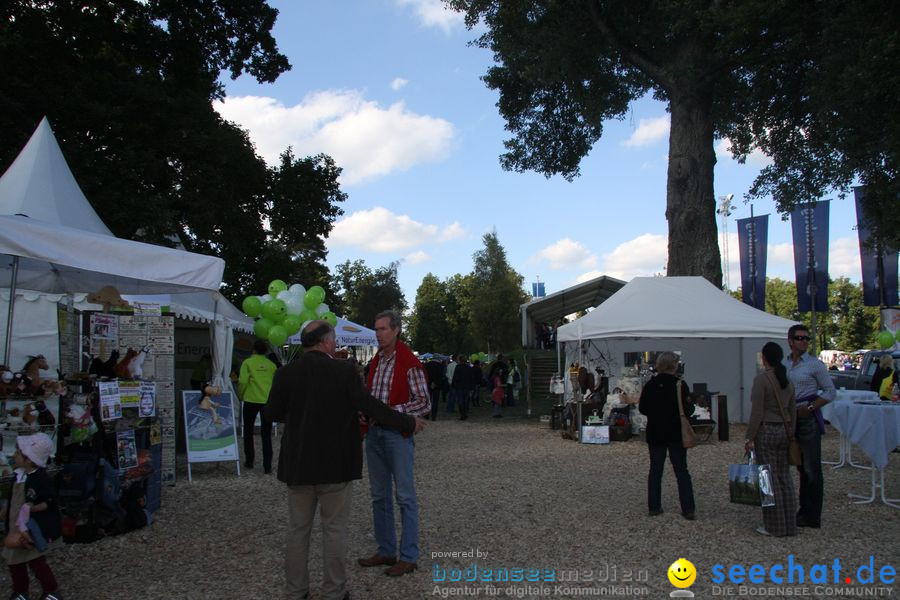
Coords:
318,399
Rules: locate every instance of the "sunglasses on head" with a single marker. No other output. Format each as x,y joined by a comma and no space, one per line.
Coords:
801,338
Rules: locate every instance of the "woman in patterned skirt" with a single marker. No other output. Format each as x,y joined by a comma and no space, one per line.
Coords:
773,416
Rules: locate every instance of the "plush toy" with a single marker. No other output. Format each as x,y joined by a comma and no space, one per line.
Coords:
99,368
123,369
109,297
32,370
135,367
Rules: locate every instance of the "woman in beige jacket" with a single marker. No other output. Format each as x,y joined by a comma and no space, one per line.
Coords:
773,417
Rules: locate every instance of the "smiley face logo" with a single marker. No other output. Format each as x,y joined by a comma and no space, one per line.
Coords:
682,573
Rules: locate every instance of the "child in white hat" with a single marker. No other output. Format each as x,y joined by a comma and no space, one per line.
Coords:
33,498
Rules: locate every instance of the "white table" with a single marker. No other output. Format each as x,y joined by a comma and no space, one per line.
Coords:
874,428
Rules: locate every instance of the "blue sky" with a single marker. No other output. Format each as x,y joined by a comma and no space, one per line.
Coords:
392,91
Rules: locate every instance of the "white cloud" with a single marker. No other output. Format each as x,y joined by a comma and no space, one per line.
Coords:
453,231
567,253
416,258
755,159
644,255
398,83
380,230
843,259
434,13
588,276
648,132
365,139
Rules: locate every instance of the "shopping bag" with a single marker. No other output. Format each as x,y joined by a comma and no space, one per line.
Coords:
750,483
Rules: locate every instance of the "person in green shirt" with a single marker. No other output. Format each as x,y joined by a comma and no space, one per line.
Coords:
254,384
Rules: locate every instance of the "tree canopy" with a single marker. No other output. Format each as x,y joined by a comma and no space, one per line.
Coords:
496,294
360,293
128,88
563,68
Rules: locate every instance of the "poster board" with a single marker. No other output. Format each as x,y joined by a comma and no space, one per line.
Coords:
595,434
210,428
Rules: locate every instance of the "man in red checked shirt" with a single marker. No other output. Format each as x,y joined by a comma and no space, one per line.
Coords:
397,378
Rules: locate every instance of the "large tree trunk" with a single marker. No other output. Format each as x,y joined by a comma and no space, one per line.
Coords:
690,201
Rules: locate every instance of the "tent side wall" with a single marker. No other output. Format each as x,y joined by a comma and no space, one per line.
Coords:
726,365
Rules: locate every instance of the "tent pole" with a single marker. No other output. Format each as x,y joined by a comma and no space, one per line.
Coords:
12,305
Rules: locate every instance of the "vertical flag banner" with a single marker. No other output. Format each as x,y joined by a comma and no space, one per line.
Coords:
809,223
753,234
879,267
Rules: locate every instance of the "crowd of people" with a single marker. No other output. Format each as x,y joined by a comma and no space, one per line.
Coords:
786,402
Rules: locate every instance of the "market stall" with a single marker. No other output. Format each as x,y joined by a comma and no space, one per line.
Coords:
719,337
56,244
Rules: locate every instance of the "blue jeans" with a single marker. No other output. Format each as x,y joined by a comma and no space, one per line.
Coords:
812,483
389,457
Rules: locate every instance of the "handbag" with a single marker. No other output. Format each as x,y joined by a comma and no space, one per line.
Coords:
750,483
688,437
795,457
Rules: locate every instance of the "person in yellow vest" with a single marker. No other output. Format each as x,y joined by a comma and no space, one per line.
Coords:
254,384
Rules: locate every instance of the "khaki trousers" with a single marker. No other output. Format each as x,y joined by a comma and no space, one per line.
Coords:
334,501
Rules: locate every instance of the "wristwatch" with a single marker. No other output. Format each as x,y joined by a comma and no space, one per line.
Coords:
811,407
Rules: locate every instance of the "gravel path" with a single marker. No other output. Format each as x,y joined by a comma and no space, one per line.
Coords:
510,490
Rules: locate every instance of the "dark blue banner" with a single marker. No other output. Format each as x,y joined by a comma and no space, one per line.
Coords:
879,267
809,223
753,234
537,290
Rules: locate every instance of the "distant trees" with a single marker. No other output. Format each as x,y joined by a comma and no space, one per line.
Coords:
474,312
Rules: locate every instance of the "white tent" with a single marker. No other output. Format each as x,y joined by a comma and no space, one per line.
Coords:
59,245
40,185
718,336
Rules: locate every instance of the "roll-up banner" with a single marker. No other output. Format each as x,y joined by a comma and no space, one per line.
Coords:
809,223
753,234
879,267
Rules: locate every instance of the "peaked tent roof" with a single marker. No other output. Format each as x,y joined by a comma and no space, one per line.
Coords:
40,185
676,307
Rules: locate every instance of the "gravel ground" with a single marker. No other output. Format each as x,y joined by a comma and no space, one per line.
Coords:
510,490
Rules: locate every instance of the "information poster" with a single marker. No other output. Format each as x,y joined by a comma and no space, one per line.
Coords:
126,449
209,425
147,406
129,393
110,404
69,349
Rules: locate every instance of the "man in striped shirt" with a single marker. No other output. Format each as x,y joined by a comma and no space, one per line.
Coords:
397,378
813,389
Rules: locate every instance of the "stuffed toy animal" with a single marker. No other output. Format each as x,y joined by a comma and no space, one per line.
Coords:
106,368
123,369
109,297
135,367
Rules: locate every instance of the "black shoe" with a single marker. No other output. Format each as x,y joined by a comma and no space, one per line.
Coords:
802,522
655,513
249,465
689,516
267,470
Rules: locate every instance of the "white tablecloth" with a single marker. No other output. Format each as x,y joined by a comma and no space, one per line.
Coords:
874,428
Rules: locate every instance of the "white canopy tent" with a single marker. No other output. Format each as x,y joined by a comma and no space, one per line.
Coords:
57,244
719,337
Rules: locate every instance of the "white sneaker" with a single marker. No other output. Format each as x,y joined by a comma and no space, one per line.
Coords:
761,530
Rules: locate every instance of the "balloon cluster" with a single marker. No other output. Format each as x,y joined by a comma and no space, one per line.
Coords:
285,310
479,356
